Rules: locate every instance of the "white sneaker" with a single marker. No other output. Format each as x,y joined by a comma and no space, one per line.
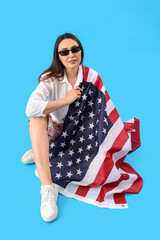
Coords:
28,157
48,209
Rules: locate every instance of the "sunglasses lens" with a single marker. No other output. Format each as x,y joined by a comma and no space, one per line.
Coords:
64,52
76,49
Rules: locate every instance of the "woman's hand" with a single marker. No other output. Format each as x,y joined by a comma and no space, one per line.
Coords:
73,94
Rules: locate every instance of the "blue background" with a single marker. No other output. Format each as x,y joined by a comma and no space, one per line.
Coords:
121,41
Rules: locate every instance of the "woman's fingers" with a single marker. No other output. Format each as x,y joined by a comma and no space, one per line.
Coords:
78,88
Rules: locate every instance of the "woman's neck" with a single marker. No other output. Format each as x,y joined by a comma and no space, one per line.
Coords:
71,73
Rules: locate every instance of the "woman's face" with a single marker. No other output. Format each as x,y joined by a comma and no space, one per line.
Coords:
68,43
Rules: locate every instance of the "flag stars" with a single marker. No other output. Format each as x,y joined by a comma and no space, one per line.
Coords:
80,150
50,164
83,87
58,175
78,160
91,114
60,154
79,112
82,117
90,103
71,152
52,145
72,141
96,132
62,144
79,172
81,139
64,134
71,117
77,103
105,120
76,122
87,158
69,174
90,92
84,97
90,136
59,164
99,100
73,132
81,128
91,125
104,130
70,163
50,155
96,144
89,147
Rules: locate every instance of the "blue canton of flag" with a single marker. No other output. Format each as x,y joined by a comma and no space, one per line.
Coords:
85,127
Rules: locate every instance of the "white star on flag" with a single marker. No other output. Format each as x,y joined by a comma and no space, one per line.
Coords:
58,175
64,134
61,154
59,164
52,145
69,174
91,114
70,163
82,128
70,152
78,171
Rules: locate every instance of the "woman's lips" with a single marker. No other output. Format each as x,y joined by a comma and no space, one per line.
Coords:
72,61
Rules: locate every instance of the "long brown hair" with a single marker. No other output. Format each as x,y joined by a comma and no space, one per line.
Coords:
56,68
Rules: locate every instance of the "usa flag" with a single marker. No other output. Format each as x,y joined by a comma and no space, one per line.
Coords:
87,158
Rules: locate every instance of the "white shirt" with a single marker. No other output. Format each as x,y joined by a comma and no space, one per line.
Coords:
53,90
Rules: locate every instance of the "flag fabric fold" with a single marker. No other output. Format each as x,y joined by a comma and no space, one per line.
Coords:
87,158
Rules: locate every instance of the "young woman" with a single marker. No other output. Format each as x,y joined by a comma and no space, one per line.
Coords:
60,84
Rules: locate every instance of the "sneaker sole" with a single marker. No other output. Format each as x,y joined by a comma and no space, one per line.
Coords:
28,157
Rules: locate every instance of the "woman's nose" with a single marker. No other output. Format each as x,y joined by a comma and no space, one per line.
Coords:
70,53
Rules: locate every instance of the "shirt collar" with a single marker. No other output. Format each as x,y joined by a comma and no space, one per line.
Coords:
79,78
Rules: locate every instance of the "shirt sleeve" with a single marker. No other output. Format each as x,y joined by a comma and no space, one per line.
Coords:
37,101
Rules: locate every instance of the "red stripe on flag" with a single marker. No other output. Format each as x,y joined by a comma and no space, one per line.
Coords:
129,126
104,171
107,96
82,190
119,198
113,116
98,83
109,186
107,164
137,185
135,136
85,71
119,162
101,177
119,142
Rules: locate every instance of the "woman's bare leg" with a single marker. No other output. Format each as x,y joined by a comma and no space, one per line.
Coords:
40,144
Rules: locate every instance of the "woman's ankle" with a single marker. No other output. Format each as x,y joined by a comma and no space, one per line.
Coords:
47,183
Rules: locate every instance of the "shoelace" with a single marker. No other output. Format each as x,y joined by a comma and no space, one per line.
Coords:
49,195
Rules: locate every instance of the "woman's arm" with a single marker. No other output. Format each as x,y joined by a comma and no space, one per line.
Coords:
72,95
37,101
54,105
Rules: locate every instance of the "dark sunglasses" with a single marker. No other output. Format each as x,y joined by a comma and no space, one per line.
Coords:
66,52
